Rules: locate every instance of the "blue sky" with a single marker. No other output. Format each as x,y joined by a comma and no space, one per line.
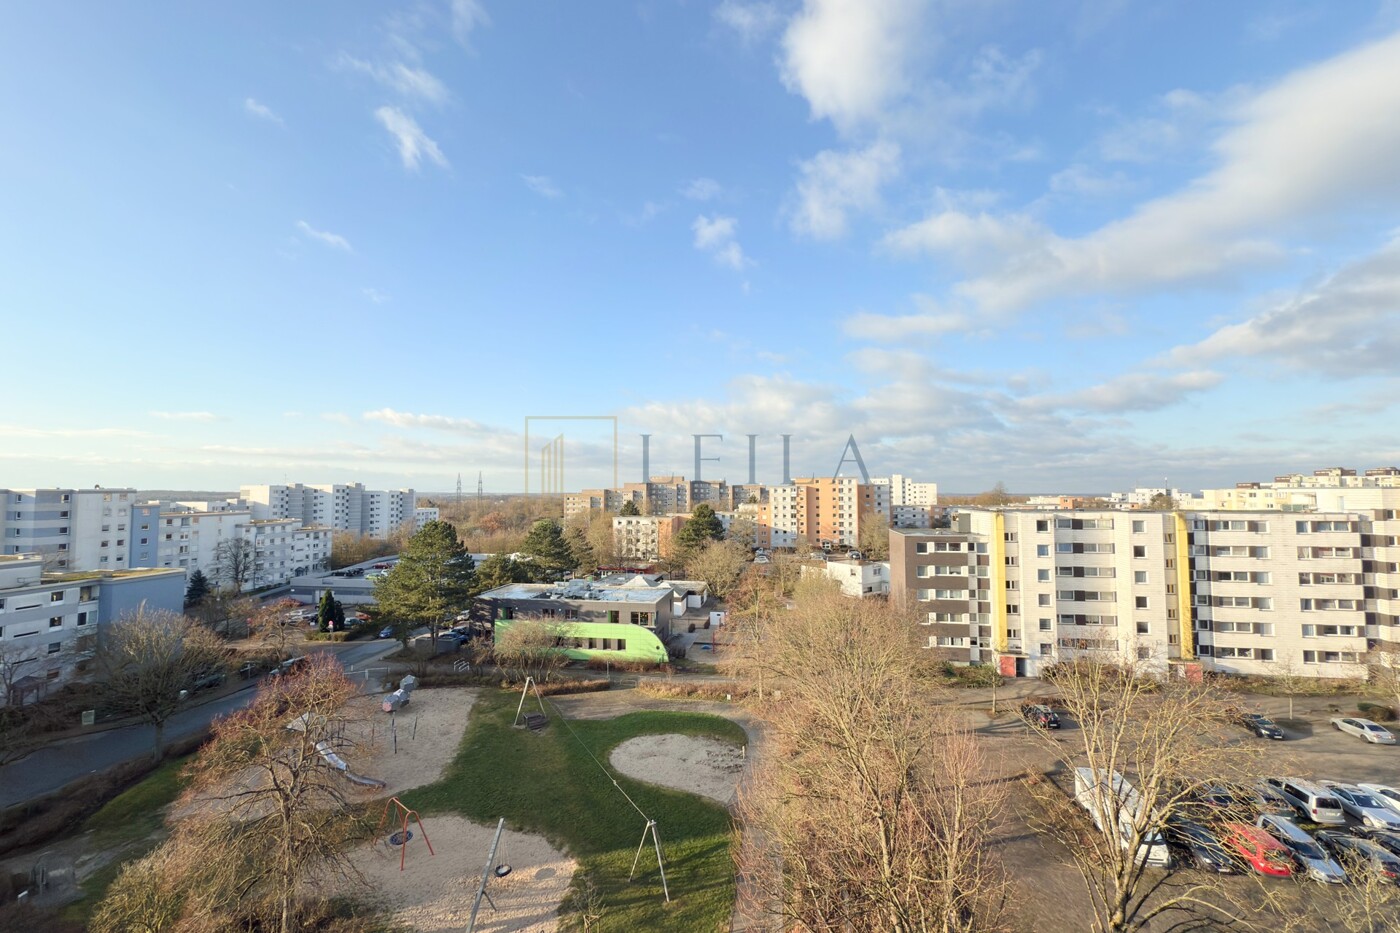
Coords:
1064,245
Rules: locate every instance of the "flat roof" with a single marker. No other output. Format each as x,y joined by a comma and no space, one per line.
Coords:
81,575
591,594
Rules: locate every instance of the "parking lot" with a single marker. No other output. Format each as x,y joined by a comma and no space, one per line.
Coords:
1047,890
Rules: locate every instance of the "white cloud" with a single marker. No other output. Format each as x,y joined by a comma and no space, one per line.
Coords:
1346,326
336,417
185,415
1082,182
375,295
261,111
753,22
408,80
701,189
718,236
1130,392
1318,142
849,58
467,16
24,431
895,328
542,185
330,239
413,143
832,184
403,419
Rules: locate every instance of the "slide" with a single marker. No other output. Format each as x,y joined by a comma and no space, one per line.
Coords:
338,763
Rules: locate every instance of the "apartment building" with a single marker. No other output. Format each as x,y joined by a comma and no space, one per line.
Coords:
283,549
945,577
338,506
906,503
72,529
189,539
48,619
645,537
422,516
859,579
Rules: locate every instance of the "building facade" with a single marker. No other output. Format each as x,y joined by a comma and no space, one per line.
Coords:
338,506
71,529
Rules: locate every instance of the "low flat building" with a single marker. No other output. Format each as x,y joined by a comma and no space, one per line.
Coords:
857,578
628,622
48,620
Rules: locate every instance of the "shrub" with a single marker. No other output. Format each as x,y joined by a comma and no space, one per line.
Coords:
1376,711
632,667
689,690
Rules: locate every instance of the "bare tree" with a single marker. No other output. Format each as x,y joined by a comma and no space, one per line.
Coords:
1167,738
146,663
721,564
237,563
530,648
874,536
901,843
1288,675
1383,673
271,626
267,813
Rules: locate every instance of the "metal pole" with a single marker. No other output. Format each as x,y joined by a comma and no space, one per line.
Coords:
656,840
485,874
638,856
529,682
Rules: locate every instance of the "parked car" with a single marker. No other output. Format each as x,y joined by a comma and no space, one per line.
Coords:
386,632
208,680
1200,845
1265,854
1366,729
1261,726
1041,716
1384,793
1097,791
1316,863
1312,802
1388,840
1268,800
1359,855
1361,805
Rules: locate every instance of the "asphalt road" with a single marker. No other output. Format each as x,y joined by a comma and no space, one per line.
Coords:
55,766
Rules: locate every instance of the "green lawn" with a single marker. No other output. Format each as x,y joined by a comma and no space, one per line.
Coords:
127,822
546,783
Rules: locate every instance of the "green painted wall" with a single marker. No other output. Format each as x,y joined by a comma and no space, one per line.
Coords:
641,644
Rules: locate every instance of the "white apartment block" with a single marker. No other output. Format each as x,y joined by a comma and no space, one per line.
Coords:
339,506
637,537
859,579
422,516
47,619
72,529
283,549
190,539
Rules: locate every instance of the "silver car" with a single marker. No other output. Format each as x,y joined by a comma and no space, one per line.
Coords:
1315,861
1365,729
1366,808
1384,793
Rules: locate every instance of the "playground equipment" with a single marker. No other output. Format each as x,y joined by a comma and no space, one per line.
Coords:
500,870
533,721
402,836
302,723
400,697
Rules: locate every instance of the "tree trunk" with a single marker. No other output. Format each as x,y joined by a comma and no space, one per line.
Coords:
160,740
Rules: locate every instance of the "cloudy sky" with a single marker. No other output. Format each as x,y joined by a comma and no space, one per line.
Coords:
1069,246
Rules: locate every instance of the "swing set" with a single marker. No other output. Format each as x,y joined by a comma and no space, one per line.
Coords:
401,819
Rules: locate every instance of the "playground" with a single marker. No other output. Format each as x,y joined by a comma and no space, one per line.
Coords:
694,764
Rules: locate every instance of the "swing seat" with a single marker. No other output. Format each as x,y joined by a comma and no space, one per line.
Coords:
502,870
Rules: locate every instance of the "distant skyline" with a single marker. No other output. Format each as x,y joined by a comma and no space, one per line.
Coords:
1064,245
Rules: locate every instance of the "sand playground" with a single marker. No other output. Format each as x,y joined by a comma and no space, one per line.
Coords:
695,765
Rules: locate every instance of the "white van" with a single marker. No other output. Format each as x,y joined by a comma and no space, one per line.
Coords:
1096,793
1312,801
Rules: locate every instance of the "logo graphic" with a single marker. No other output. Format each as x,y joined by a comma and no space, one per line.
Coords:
551,454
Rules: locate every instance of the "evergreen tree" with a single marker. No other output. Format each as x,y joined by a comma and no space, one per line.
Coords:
338,617
500,570
433,580
546,546
703,525
197,589
629,508
325,613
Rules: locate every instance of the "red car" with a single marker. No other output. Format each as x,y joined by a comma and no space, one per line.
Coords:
1265,854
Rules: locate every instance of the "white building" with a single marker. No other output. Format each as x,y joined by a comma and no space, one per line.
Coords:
857,578
339,506
422,516
284,549
72,529
47,619
190,540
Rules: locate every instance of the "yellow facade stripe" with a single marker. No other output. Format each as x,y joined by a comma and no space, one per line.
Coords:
1183,588
998,563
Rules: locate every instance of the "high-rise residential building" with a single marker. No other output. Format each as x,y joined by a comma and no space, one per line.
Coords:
71,529
284,548
339,506
48,620
645,537
424,515
1230,591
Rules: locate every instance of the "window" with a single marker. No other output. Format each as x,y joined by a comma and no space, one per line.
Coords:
1045,625
56,622
1042,575
1043,599
1139,550
1139,576
56,596
1012,609
55,647
1139,526
82,618
1042,525
1042,550
1140,602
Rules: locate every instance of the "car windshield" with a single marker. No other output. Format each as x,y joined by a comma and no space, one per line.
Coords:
1306,849
1362,800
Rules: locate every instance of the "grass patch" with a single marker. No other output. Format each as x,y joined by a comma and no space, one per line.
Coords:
546,783
138,811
